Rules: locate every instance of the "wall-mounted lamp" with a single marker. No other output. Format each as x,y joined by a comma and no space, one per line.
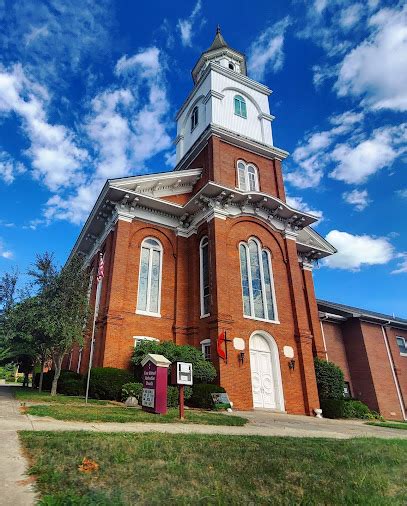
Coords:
291,364
241,357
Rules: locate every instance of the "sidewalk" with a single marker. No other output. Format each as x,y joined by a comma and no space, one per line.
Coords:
14,483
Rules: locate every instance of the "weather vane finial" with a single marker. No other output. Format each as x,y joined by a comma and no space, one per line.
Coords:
218,28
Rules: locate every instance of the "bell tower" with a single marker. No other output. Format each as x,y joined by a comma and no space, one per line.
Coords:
224,98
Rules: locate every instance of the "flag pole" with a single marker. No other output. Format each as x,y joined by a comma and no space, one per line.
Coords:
95,314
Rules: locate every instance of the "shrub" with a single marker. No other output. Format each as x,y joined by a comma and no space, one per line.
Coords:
203,370
346,408
63,378
172,396
330,380
132,390
72,387
20,379
107,382
201,395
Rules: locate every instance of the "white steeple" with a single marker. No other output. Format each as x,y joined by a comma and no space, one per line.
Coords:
224,97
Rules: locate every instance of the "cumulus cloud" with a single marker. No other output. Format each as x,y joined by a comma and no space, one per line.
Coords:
266,51
124,130
313,154
55,155
188,26
298,203
402,193
380,85
402,265
356,251
9,168
356,162
359,199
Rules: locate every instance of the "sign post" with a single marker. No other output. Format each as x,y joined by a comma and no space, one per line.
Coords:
181,375
155,378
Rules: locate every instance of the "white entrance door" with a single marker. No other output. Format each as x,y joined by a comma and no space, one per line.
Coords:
261,363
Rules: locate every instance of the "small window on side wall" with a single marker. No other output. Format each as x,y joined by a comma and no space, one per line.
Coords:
194,118
240,106
204,276
206,348
402,344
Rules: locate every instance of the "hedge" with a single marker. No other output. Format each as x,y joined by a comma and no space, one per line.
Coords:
346,408
330,381
65,382
107,382
201,395
203,370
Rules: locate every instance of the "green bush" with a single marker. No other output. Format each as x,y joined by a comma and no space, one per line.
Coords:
72,387
330,380
107,382
346,408
64,377
203,370
172,396
132,390
201,395
20,379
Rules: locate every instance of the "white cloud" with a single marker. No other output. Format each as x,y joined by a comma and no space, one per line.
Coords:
55,39
5,253
298,203
359,199
126,126
356,251
312,156
186,26
266,51
55,156
350,16
376,70
402,193
9,168
355,163
402,266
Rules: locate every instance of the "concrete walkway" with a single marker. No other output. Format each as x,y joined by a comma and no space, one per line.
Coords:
15,485
17,489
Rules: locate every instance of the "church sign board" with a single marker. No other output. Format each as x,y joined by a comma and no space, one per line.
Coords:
155,377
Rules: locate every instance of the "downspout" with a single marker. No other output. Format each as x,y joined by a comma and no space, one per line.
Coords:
325,317
396,383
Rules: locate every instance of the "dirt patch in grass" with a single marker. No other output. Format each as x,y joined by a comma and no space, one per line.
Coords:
123,415
213,469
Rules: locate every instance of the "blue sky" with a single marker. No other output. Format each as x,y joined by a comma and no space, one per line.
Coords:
89,91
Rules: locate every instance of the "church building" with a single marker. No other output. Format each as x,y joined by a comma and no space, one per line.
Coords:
210,254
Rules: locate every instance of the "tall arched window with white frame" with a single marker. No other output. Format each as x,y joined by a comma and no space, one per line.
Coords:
149,285
258,292
194,117
204,276
247,176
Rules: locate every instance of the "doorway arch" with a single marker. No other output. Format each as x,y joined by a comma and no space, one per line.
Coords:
267,387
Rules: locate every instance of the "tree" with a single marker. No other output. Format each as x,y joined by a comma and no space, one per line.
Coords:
330,380
65,299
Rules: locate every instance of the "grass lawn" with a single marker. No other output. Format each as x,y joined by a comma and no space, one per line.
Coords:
390,425
151,469
123,414
31,395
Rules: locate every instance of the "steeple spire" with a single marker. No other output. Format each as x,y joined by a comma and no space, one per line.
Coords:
218,42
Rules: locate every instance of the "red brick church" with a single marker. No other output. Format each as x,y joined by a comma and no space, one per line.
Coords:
213,247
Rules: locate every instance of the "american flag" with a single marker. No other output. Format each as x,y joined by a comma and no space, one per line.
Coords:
101,268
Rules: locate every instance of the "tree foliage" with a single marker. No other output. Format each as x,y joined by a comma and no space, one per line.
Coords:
203,370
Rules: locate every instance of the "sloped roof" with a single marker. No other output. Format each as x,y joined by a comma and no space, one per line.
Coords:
350,311
218,41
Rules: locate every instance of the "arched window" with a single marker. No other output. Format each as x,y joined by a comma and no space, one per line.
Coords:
257,281
231,66
204,276
149,284
194,117
240,106
247,177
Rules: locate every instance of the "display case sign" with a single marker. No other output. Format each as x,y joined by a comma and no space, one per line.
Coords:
155,377
221,399
181,373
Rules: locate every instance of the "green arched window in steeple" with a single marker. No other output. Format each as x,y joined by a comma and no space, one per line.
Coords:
240,106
